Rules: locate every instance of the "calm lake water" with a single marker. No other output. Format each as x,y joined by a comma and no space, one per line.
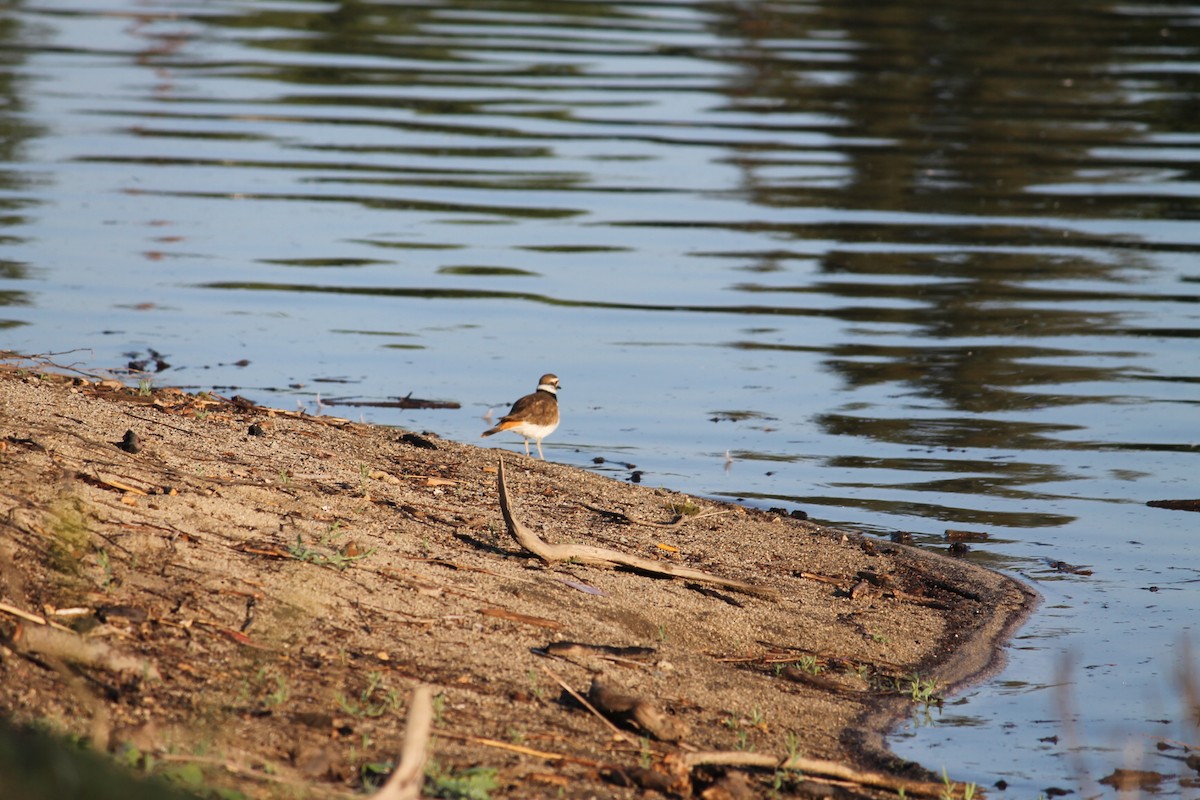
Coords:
909,266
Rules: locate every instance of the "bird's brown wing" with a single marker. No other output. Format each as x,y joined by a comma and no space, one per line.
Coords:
527,406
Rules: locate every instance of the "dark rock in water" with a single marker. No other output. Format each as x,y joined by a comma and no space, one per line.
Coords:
1130,779
1062,566
1175,505
965,536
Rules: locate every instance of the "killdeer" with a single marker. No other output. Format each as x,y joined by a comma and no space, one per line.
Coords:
534,416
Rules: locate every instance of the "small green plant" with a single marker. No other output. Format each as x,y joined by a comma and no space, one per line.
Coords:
186,775
341,561
645,753
685,508
809,664
131,756
67,521
374,773
302,552
777,782
106,565
473,783
145,387
662,632
792,743
968,790
439,708
374,701
784,778
538,691
921,690
280,695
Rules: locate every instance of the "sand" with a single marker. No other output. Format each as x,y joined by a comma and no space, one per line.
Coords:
246,598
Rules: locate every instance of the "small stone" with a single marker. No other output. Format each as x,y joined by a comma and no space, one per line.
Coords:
416,440
130,443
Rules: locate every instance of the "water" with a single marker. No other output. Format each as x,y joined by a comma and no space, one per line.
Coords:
908,267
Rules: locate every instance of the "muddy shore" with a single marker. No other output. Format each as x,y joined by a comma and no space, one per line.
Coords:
204,587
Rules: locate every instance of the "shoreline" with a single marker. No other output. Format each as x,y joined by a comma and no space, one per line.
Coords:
290,587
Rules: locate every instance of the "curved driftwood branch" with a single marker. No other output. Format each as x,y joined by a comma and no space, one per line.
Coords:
602,557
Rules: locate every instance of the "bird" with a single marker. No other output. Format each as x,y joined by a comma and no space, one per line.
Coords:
534,416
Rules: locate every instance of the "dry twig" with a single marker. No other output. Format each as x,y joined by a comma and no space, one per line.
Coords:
53,640
25,615
405,781
521,749
602,557
819,767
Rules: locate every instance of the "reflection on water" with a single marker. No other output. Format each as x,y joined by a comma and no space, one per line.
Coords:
905,265
15,130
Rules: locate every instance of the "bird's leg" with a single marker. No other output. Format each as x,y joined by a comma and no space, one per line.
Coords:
539,444
526,447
